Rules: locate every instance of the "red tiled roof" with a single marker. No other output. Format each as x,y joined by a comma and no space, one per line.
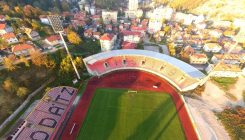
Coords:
21,47
95,16
8,35
107,36
53,38
43,16
2,26
128,45
201,55
126,33
136,28
2,16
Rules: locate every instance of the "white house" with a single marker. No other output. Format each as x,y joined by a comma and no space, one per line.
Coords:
107,41
224,70
227,58
212,47
10,38
53,40
2,18
92,10
44,19
198,58
109,16
4,28
131,36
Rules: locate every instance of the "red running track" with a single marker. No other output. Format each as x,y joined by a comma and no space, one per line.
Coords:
135,80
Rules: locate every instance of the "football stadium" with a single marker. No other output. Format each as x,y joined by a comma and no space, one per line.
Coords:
132,94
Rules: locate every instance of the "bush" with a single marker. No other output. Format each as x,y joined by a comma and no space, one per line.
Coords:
233,120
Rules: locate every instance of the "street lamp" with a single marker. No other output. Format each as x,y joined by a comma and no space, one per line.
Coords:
58,28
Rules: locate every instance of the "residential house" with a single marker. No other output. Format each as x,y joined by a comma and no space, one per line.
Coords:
88,33
53,40
198,58
2,18
212,47
78,23
80,16
224,70
10,38
44,19
33,35
228,58
96,35
108,27
131,36
107,41
109,16
128,45
92,10
96,17
22,49
5,28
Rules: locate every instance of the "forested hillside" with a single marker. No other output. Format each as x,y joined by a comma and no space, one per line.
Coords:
182,4
214,9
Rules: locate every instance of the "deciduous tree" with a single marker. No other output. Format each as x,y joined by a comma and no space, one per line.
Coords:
21,92
8,63
9,85
74,38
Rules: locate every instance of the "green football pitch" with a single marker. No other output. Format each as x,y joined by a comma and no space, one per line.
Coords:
116,114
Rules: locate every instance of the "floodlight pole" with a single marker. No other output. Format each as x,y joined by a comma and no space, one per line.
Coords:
69,55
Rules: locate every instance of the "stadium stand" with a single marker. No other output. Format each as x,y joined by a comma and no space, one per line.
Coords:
47,118
181,75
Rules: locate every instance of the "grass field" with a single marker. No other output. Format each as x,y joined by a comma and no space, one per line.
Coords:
115,114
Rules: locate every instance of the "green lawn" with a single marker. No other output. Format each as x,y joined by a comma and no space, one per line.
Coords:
115,114
225,82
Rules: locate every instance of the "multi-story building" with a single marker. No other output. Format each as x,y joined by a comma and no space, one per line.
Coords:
224,70
109,16
131,36
212,47
228,58
107,41
198,58
132,5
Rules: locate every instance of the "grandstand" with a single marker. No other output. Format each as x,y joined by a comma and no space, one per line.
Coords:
47,118
181,75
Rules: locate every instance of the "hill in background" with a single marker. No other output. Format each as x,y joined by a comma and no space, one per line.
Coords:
213,9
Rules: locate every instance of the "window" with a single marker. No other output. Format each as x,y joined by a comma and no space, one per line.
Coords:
143,62
106,65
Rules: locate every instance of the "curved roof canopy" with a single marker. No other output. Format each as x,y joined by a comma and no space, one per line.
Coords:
188,69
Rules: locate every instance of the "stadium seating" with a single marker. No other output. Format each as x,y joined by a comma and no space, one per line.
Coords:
48,115
135,59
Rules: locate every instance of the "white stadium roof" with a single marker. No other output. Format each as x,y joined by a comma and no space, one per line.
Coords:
188,69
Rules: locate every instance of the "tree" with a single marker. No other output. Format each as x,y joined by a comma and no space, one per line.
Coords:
8,63
74,38
25,61
65,65
78,62
171,49
38,58
65,5
3,44
21,92
9,85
